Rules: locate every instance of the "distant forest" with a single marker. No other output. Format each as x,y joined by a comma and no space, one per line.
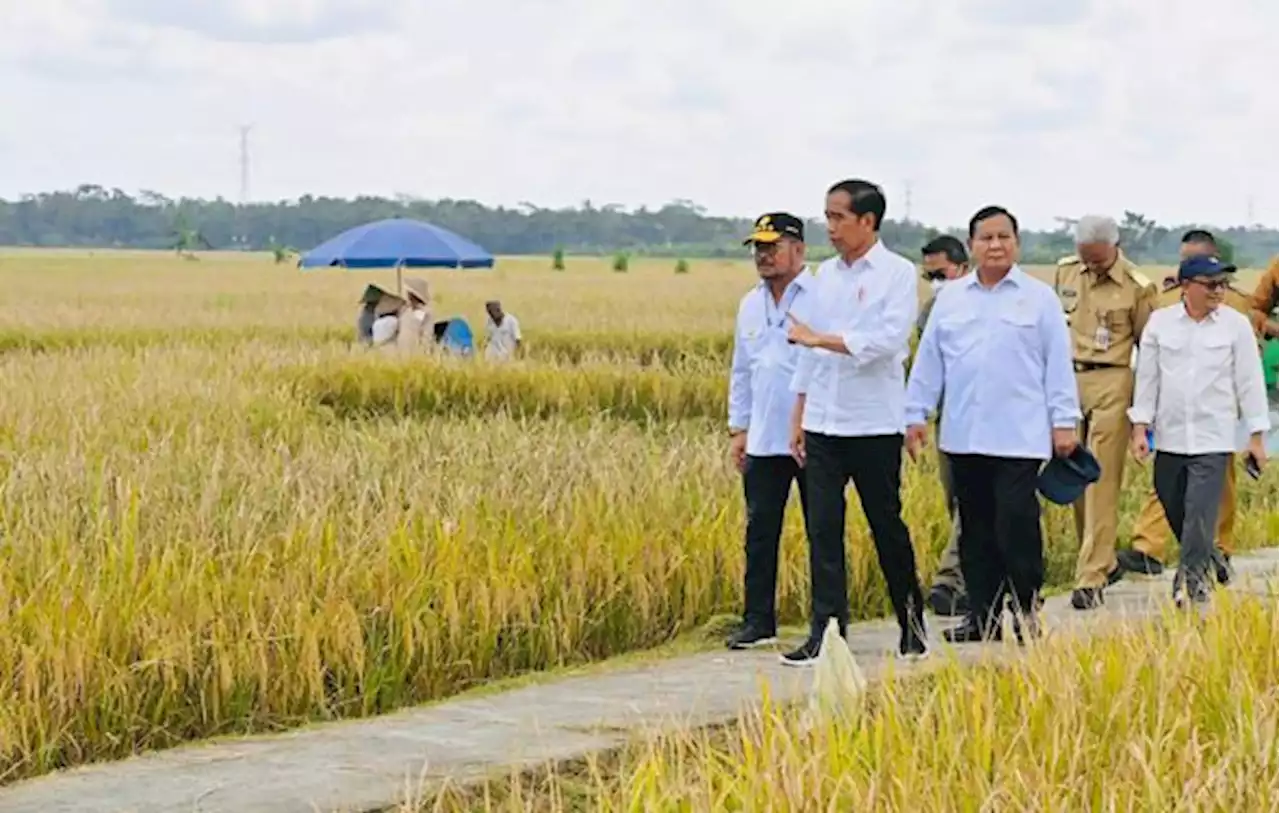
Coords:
96,216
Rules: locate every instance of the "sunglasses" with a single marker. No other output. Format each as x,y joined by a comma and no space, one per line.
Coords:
1211,284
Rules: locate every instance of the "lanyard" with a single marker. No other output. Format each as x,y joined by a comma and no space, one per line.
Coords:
783,306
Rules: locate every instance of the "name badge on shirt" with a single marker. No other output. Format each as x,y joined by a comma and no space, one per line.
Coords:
1102,337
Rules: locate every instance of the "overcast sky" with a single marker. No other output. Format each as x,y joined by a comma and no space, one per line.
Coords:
1050,107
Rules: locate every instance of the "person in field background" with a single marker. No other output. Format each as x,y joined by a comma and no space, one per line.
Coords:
502,333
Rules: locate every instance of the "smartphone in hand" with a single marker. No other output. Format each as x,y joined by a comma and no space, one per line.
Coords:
1251,466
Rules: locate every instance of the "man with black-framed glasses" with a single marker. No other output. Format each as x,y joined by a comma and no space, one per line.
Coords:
760,402
1199,373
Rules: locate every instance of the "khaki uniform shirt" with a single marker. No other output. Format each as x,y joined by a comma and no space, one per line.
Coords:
1266,296
1105,312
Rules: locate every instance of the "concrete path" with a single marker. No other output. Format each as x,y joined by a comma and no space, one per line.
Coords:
377,763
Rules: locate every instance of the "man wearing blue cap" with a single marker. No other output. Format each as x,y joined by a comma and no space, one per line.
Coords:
1198,373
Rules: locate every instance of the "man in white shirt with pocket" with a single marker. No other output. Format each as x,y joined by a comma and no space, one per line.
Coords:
760,402
848,420
998,345
1199,374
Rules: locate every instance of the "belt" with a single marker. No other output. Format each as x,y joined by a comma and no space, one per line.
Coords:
1087,366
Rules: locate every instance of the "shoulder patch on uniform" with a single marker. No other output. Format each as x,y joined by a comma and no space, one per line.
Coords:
1070,260
1139,277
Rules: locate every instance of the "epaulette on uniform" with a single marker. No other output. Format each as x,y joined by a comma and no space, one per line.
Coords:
1069,260
1140,278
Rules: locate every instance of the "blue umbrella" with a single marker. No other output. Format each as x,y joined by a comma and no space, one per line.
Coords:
397,243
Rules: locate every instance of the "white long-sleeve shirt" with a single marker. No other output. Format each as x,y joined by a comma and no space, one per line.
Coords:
1197,380
872,304
1003,356
760,397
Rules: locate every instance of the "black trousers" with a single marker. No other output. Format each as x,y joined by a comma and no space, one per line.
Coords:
766,484
1001,549
875,466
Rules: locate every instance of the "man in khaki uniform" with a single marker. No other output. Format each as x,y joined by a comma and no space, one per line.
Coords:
1151,531
1107,303
1265,298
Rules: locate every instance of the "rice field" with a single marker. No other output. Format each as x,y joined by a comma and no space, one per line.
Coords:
218,516
1159,716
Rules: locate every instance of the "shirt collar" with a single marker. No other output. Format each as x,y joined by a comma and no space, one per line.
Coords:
1212,317
872,259
1119,269
801,280
1015,277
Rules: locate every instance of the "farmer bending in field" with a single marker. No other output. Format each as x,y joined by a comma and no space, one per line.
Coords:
760,402
997,344
848,420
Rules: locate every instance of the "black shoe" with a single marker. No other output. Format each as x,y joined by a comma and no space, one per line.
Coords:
1086,598
1222,568
946,600
913,644
748,637
1026,625
1135,561
806,655
971,631
1115,575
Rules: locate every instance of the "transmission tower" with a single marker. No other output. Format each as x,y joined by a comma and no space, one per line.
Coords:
906,203
244,162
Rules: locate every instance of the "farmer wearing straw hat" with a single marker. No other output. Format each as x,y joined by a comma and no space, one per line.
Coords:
414,326
399,322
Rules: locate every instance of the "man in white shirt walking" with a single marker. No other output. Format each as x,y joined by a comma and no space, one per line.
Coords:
848,418
502,331
1199,373
760,402
997,343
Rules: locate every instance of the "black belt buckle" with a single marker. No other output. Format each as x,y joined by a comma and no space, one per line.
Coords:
1087,366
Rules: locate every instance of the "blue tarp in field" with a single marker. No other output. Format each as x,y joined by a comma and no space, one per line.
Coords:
397,242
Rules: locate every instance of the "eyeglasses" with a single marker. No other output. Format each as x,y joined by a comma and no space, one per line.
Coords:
1211,285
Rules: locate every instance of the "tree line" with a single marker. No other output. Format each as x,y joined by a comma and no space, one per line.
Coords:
96,216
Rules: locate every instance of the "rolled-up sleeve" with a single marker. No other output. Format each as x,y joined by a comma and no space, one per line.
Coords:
893,330
1061,391
924,385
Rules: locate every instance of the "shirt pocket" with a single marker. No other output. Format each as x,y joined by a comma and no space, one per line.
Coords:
958,336
1215,357
1019,327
